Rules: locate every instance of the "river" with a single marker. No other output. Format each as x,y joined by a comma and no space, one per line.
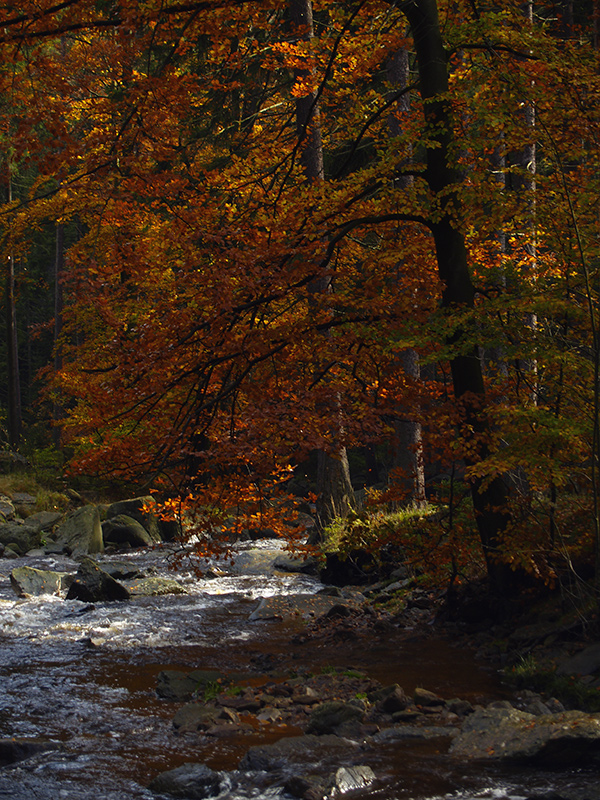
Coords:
84,676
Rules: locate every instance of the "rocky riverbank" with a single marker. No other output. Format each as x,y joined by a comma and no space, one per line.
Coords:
332,726
322,729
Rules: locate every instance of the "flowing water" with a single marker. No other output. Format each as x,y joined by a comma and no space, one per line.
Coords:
84,677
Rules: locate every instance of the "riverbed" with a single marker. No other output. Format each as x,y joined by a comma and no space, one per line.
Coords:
84,677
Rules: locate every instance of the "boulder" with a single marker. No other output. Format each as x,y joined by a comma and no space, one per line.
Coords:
7,508
27,581
502,732
125,530
176,685
423,697
24,503
320,787
81,533
404,732
334,716
296,564
139,509
347,779
43,520
195,717
153,586
301,605
122,570
389,699
21,535
92,584
14,750
190,781
297,750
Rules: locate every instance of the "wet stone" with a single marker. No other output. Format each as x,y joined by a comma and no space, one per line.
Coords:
502,732
395,701
125,530
423,697
348,779
331,716
20,536
141,510
269,715
15,750
195,717
153,586
238,702
176,685
27,581
92,585
296,749
190,781
81,533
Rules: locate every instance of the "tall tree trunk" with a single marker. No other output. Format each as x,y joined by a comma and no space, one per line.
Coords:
12,349
59,263
525,184
408,435
335,496
489,499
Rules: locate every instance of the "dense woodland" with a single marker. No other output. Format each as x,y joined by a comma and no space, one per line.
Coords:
245,242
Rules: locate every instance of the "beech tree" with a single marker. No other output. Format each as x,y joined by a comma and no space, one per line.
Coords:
194,348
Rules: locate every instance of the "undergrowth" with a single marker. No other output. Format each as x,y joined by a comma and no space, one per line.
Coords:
438,544
572,692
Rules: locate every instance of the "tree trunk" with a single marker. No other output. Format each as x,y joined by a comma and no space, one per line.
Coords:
335,496
12,350
59,263
525,184
408,435
489,500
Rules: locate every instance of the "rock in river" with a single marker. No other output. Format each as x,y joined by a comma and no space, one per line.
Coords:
93,585
303,605
555,740
190,781
81,532
27,581
298,750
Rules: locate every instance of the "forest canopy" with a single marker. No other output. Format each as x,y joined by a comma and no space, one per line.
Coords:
239,234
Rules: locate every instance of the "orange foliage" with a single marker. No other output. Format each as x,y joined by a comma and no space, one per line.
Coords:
191,334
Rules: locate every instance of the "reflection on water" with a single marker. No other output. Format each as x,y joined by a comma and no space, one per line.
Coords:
84,677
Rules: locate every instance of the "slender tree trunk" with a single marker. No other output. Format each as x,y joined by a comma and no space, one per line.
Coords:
525,184
408,435
59,263
335,496
12,350
489,500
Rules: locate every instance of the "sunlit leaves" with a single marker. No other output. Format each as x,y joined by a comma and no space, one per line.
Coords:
193,343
